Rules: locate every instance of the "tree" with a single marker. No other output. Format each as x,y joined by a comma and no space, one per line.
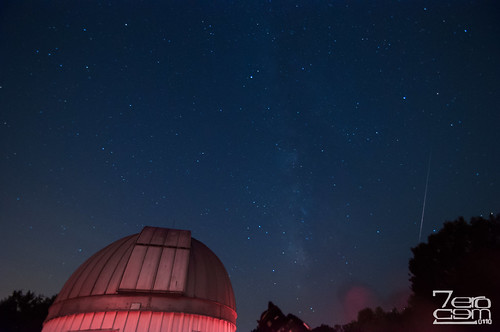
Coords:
24,312
327,328
377,321
462,257
273,320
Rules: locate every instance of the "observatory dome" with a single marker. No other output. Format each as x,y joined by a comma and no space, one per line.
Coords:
158,280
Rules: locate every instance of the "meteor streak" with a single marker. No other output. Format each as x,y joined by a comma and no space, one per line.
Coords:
425,197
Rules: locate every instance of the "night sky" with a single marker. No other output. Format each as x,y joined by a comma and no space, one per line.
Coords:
294,138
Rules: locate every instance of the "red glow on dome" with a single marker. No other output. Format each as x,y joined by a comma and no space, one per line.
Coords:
158,280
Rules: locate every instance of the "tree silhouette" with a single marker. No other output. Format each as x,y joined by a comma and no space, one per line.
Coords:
327,328
273,320
24,312
377,321
462,257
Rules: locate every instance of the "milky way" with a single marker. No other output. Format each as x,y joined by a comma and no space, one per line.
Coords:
291,138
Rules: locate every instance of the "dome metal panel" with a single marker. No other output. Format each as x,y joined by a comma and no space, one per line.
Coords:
159,261
157,270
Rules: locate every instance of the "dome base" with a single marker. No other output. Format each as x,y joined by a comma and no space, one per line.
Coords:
137,321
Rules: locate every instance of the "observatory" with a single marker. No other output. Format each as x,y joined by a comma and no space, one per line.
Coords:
158,280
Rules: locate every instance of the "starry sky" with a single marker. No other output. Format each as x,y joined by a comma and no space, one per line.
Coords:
294,138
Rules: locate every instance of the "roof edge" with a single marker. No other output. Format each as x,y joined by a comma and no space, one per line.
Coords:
142,302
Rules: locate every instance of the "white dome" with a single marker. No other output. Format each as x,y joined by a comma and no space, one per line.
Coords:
159,278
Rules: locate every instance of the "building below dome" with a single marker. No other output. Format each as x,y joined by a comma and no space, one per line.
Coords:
158,280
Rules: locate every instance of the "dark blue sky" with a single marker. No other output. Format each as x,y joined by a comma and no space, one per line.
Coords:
293,138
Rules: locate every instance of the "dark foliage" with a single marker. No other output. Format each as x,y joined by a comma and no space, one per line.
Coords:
24,312
273,320
462,257
326,328
376,321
